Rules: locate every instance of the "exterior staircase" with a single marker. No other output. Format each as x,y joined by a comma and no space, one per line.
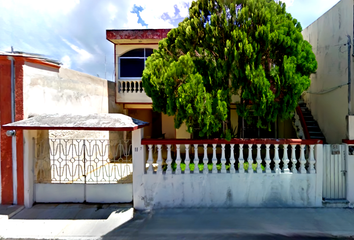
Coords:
312,126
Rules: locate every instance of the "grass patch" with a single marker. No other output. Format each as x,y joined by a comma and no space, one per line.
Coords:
209,166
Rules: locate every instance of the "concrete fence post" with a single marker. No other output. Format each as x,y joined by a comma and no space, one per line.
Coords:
319,173
28,166
138,169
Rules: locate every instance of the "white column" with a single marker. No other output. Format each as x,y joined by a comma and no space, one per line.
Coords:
293,159
302,159
150,161
205,158
259,159
267,159
159,159
312,160
214,160
223,159
241,160
28,166
319,174
276,158
169,160
232,158
178,159
138,169
196,159
187,160
250,159
285,159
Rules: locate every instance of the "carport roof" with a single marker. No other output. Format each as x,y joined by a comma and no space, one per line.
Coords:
97,122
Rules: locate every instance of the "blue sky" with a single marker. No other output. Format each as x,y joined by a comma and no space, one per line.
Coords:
74,31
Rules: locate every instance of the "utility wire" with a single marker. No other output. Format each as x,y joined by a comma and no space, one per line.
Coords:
327,91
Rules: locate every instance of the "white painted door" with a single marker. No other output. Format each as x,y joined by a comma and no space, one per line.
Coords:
334,170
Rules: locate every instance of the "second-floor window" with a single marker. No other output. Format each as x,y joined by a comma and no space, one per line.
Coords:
132,63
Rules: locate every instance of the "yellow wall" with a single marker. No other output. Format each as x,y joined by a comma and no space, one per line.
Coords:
143,115
286,129
182,133
168,126
120,50
234,121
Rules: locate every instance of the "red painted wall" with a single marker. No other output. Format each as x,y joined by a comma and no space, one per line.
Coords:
19,115
5,141
5,117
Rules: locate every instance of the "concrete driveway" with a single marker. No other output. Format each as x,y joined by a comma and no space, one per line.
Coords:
114,221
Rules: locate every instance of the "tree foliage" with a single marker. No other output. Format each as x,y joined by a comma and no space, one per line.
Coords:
250,48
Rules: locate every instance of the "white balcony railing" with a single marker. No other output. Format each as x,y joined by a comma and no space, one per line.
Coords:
131,91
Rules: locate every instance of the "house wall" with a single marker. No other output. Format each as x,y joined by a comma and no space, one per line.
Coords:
48,90
144,115
7,149
168,126
42,88
328,36
120,50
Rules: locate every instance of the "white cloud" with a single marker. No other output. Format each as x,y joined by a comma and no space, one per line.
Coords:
112,11
66,61
132,22
154,12
41,6
287,2
82,55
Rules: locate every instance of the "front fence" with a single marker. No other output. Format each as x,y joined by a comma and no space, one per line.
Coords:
79,170
240,172
83,161
238,156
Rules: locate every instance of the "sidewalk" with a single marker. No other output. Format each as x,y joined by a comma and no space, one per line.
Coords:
81,221
7,211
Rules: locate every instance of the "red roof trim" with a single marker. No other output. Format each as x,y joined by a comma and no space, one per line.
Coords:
138,44
30,59
232,141
157,34
347,141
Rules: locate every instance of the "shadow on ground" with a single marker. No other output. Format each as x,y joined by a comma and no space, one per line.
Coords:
246,224
71,211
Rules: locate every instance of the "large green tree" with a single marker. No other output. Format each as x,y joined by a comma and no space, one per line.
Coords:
250,48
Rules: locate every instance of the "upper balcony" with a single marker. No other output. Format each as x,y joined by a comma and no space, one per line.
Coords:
131,91
132,47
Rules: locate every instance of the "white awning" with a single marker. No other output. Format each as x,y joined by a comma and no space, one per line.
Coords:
97,122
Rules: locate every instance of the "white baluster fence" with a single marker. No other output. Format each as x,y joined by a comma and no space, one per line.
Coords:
240,172
214,152
131,90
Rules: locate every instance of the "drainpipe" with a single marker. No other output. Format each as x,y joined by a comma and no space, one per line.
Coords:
349,75
14,156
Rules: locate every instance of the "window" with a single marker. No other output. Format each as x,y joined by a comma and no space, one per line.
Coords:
132,63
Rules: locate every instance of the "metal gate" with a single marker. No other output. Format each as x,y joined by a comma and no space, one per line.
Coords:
83,170
334,170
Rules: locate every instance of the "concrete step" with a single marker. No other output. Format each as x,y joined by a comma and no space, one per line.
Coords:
313,127
319,137
335,203
311,123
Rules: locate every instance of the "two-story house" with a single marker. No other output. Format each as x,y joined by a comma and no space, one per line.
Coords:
131,49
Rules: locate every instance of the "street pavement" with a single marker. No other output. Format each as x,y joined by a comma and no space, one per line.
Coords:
115,221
